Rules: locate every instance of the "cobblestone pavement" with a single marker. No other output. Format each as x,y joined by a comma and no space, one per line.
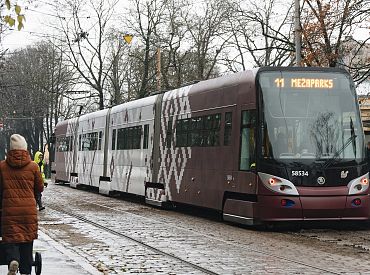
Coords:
57,260
216,246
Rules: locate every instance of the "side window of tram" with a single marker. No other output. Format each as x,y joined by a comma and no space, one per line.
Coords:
169,133
228,127
70,144
198,131
247,140
63,144
129,138
100,139
88,142
146,136
93,141
84,142
114,139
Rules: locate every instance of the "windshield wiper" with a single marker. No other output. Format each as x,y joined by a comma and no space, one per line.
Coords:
353,135
350,140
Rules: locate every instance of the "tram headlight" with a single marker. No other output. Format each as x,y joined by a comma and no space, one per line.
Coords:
358,185
274,181
277,184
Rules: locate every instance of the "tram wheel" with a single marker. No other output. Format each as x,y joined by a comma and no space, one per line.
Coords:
38,263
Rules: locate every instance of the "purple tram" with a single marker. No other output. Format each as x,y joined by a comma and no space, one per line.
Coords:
270,144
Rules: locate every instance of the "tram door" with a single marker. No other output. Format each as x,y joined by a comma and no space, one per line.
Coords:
242,177
247,151
226,173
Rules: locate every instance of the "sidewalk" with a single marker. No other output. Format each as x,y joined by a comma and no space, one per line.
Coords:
56,259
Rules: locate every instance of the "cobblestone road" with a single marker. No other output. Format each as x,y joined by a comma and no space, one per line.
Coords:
213,245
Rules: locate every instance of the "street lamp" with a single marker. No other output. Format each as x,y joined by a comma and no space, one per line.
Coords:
128,38
297,33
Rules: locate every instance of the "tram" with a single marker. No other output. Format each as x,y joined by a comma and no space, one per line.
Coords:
269,144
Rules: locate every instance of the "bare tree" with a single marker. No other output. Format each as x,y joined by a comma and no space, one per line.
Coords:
33,87
174,44
118,76
207,34
327,27
147,17
87,45
174,52
260,35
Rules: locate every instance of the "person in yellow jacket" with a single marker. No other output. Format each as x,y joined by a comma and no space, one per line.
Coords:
39,159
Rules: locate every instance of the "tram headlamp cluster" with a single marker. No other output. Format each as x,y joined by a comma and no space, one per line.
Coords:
277,184
358,185
274,181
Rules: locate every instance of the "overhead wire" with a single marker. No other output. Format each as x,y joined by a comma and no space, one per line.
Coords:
36,33
45,13
115,16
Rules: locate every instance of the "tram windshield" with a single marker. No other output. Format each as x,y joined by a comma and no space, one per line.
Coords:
310,116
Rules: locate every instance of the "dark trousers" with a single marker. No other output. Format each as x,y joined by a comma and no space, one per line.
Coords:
38,199
22,253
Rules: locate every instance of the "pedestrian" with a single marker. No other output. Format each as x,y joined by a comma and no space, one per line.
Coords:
39,159
20,180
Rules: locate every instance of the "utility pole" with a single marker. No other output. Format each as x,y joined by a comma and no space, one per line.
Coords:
297,33
128,38
159,85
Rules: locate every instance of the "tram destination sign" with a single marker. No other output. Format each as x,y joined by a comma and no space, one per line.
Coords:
305,83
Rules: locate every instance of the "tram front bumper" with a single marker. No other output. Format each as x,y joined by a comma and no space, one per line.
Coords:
286,208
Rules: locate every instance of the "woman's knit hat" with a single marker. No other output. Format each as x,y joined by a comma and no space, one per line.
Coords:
17,142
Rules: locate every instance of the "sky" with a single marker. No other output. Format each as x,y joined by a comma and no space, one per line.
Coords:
40,15
35,27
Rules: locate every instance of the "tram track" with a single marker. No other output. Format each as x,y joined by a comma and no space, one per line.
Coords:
119,234
244,246
177,258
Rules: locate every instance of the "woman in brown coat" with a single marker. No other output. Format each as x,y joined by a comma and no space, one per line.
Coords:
20,180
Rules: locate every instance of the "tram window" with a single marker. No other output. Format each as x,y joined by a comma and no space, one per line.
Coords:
146,136
92,141
137,131
247,137
169,133
120,139
85,143
114,139
228,127
209,122
185,124
70,144
100,139
63,144
213,138
217,121
129,138
198,131
82,142
180,134
67,144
